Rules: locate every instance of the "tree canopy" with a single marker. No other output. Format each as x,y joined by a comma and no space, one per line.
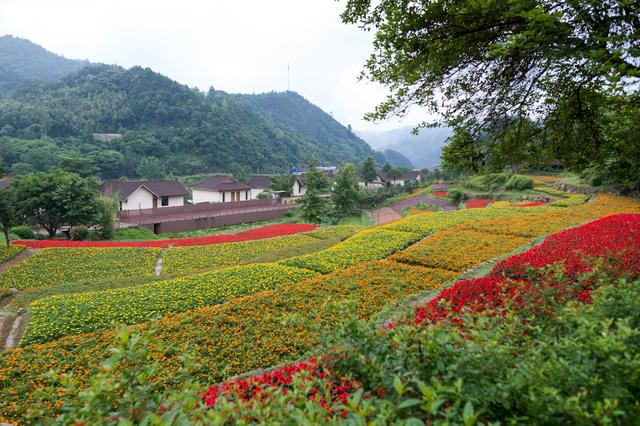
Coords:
54,199
548,73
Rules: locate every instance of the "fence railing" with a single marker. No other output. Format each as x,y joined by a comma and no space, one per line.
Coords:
202,208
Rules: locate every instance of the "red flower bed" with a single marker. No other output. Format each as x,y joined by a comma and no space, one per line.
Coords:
440,194
254,388
613,236
536,204
268,231
478,204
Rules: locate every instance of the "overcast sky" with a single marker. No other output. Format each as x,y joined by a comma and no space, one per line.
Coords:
239,46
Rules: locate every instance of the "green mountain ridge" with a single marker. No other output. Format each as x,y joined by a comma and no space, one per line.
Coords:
23,61
175,128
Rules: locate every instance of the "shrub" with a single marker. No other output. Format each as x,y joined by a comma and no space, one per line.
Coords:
23,232
519,182
487,182
428,207
456,195
265,195
79,233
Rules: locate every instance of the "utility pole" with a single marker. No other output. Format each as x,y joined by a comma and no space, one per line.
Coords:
288,75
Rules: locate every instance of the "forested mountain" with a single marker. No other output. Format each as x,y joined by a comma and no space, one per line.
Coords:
423,150
22,60
165,126
397,159
293,112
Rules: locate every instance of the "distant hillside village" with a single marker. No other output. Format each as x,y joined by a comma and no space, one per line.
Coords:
166,206
155,194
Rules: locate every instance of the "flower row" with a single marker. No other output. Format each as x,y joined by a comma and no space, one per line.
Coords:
57,316
268,231
8,253
364,246
479,203
457,250
55,266
613,236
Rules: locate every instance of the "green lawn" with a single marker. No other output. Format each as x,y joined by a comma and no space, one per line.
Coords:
362,219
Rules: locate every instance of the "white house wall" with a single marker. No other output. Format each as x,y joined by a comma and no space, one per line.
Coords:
140,199
298,190
205,196
174,201
254,193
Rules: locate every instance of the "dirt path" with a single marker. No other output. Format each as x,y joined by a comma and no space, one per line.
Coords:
384,215
23,255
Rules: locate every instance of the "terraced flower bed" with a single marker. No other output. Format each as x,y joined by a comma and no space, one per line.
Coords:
49,267
58,316
478,204
457,250
268,231
367,245
8,253
198,258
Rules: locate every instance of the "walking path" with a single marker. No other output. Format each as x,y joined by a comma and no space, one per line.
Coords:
384,215
23,255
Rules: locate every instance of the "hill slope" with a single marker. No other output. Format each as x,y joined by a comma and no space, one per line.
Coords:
182,130
22,60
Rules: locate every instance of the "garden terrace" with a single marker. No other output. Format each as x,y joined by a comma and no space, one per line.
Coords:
50,267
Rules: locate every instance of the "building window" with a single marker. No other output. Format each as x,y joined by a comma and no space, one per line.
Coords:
164,201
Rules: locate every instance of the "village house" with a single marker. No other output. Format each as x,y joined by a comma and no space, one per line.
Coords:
298,187
414,176
220,189
377,183
148,194
259,184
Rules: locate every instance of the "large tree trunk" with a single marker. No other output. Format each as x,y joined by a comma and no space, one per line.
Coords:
5,230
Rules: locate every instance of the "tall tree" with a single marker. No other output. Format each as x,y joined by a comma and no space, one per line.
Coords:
479,64
369,172
8,213
59,198
282,183
313,205
344,192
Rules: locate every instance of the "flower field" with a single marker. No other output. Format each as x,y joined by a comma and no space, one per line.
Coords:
284,322
457,250
8,253
57,316
364,246
443,194
197,258
263,329
478,204
575,249
54,266
268,231
457,306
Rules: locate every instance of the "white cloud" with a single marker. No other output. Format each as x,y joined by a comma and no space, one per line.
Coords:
240,46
